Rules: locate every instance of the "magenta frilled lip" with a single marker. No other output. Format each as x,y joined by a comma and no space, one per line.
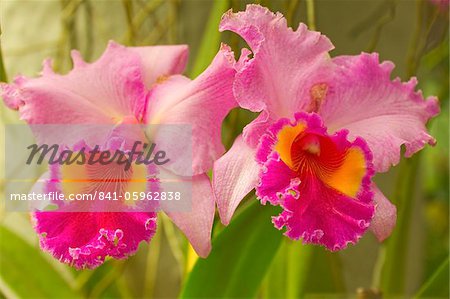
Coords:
322,182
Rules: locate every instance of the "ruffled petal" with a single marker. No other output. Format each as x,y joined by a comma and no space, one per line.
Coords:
286,64
277,181
235,174
385,218
385,113
276,178
322,182
161,61
202,103
39,187
84,240
253,132
82,233
323,216
196,223
104,92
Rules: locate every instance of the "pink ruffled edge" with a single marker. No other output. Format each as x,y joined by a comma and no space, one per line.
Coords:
266,156
422,109
106,243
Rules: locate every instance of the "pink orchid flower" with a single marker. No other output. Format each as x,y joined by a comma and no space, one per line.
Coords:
326,126
128,85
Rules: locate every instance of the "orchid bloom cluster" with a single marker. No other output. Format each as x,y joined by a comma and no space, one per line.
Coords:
325,127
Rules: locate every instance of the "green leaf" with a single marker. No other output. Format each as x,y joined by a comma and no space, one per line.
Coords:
211,38
274,284
104,281
299,258
241,255
25,273
325,273
299,270
437,284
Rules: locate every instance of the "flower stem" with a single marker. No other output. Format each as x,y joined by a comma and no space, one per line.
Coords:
290,13
311,14
3,77
131,34
392,276
152,261
394,270
298,268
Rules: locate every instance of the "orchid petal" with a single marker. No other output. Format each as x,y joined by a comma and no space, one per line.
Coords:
196,223
161,61
235,174
385,113
179,100
253,132
286,64
321,181
103,92
325,217
276,180
385,217
84,240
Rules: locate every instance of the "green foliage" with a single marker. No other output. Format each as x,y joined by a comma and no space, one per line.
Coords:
394,270
300,269
211,38
437,284
24,272
3,77
240,257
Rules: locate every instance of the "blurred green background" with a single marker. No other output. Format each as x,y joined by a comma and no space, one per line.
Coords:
249,258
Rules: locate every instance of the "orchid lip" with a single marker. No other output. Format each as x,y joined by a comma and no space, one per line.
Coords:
333,204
